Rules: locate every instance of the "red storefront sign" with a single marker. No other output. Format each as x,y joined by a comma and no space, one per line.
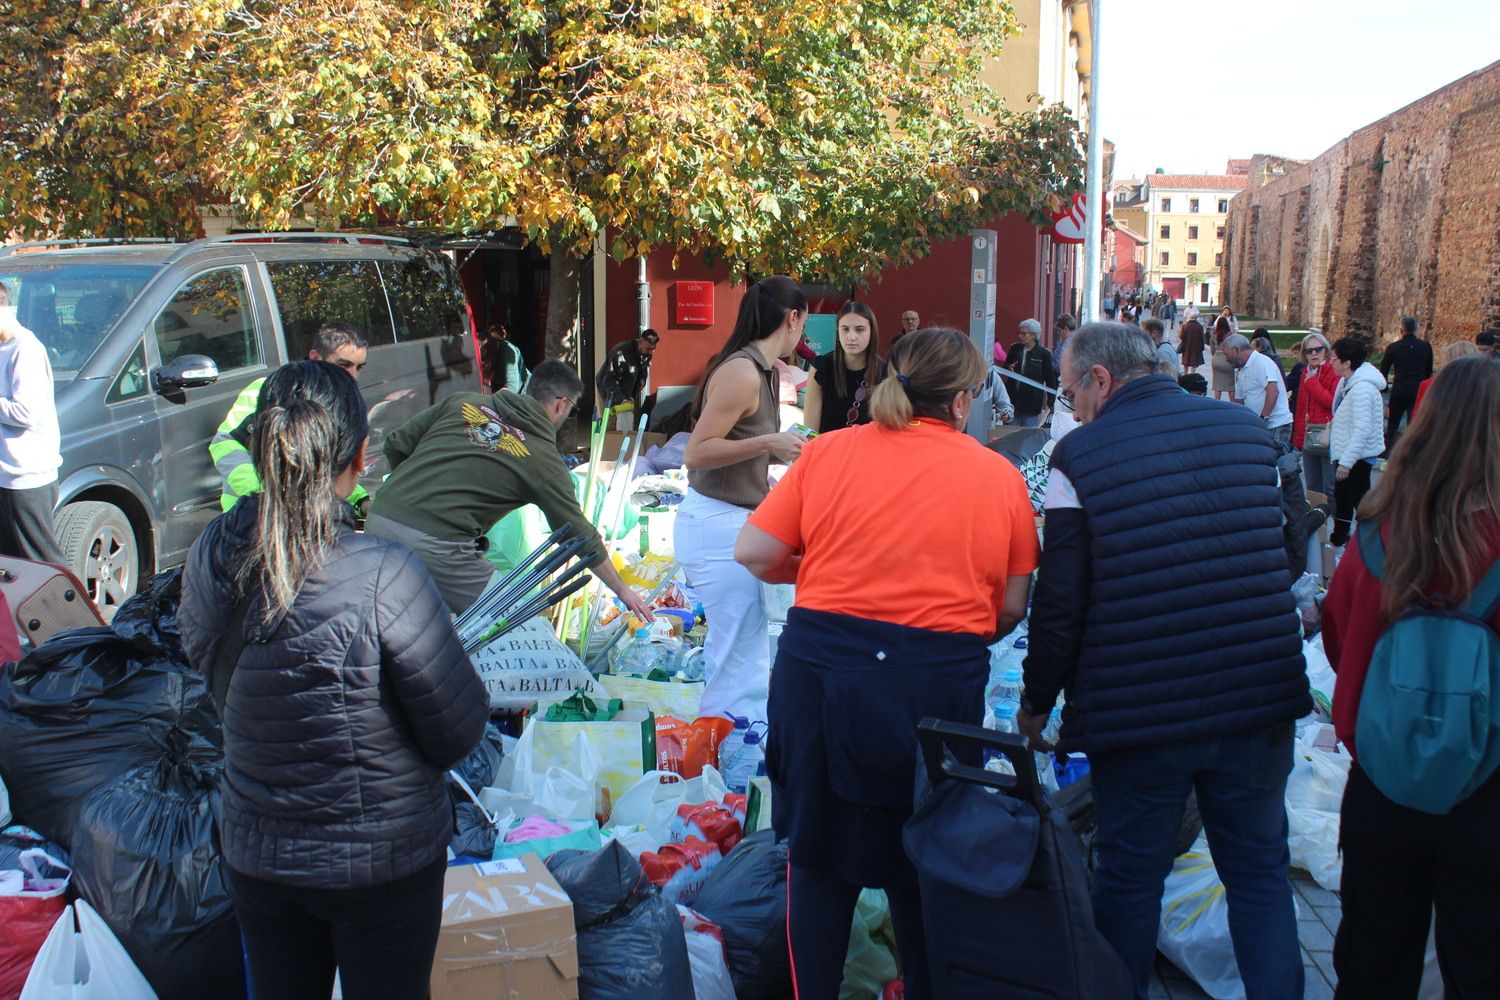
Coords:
1071,224
694,302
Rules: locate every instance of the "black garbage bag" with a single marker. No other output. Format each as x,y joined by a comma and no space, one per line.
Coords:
17,838
91,704
146,857
473,834
746,896
630,940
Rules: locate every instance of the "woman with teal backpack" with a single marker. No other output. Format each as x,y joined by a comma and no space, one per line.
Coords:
1412,626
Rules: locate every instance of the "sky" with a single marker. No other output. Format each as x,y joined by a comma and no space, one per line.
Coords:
1188,84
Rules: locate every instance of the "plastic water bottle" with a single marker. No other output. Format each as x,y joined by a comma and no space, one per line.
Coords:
742,755
640,656
1009,686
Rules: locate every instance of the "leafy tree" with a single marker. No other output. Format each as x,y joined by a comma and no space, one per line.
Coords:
823,137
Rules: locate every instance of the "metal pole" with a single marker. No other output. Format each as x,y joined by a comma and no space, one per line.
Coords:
642,296
1095,183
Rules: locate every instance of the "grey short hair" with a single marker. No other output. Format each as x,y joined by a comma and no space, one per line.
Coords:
1030,326
1238,341
1315,334
1122,349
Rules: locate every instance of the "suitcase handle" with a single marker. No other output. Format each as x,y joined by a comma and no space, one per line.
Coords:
935,737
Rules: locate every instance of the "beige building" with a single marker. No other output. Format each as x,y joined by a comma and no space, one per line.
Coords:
1184,224
1049,57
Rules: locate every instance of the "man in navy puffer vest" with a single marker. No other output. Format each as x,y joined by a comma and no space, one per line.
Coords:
1163,608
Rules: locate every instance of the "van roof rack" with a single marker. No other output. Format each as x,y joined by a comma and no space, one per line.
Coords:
103,241
351,238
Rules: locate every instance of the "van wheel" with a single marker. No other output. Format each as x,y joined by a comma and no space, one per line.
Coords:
100,546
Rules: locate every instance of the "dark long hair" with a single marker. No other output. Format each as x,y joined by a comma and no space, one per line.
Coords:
762,311
1441,487
309,424
872,356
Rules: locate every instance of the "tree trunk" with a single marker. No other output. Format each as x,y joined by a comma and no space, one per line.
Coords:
565,271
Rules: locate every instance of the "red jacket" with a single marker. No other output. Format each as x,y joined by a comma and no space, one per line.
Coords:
1352,623
1421,391
1314,401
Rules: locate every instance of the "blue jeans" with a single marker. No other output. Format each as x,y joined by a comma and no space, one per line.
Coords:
1139,797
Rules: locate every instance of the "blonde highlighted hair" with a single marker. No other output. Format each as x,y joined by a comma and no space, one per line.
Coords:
926,370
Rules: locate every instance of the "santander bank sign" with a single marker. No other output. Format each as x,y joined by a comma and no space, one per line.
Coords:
1071,224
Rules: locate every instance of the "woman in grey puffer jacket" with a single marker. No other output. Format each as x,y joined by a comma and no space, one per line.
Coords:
349,698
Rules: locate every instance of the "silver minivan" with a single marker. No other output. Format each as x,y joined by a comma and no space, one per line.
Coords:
151,341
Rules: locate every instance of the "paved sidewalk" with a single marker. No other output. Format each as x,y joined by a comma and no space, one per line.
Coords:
1318,914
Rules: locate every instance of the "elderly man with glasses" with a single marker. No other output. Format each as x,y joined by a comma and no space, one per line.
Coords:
1168,689
460,466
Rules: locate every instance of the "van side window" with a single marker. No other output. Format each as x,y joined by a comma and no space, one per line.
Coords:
310,293
426,297
211,315
131,383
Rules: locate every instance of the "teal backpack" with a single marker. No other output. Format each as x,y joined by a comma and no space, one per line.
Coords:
1428,733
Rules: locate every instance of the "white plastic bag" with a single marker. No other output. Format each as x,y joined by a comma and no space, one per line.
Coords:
642,818
4,805
529,666
705,944
1314,796
1194,933
87,964
556,792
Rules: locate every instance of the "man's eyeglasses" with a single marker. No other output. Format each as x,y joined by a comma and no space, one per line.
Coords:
1066,396
572,405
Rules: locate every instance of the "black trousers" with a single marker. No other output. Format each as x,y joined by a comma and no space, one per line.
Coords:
820,914
1347,493
381,939
1401,401
1398,865
26,524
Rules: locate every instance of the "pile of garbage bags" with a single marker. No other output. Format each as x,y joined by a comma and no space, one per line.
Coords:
111,748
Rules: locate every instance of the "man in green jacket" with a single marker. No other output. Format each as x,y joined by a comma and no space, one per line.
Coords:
463,464
339,343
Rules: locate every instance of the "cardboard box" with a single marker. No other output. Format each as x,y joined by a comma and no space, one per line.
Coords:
507,932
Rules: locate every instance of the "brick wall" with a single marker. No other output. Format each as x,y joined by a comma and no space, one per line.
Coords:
1400,218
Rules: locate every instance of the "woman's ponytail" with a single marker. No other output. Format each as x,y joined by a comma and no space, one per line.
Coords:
890,406
309,426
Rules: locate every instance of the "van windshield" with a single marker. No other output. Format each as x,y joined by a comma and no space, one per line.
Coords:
71,306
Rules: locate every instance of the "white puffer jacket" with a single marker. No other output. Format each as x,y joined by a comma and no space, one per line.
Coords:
1358,430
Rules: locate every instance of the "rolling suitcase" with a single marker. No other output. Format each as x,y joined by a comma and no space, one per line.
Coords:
1005,899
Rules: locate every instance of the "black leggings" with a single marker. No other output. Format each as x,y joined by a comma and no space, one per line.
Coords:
1347,493
381,939
820,912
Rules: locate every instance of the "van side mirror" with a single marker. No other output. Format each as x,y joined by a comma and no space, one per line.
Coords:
191,371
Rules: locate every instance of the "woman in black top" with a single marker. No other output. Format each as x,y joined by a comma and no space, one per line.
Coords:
838,394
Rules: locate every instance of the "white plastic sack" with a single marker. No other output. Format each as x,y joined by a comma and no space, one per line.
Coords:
1320,675
1314,795
705,944
89,964
1194,933
529,666
642,818
555,791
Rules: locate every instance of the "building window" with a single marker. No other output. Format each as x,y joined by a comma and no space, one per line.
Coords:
1166,204
1219,233
1166,232
1192,259
1223,205
1166,258
1218,260
1192,232
1192,204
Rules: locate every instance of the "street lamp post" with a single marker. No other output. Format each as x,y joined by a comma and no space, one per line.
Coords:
1095,179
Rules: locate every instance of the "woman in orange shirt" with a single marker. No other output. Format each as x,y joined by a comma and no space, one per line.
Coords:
891,624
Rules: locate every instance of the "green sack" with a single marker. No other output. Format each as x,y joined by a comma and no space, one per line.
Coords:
515,536
870,964
579,707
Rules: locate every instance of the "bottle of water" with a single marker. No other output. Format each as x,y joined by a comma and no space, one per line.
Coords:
1009,685
1046,763
745,757
639,657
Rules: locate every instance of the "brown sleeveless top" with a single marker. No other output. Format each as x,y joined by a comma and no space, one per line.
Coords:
744,483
